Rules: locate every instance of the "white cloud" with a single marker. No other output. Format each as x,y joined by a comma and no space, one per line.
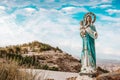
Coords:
72,10
108,39
2,8
11,33
68,9
113,11
25,11
29,10
102,6
109,18
105,6
106,1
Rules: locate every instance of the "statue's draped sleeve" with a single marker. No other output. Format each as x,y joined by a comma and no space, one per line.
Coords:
92,32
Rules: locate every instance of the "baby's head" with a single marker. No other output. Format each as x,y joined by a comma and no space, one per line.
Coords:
81,23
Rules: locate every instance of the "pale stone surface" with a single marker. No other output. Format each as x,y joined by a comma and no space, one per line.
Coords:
84,78
56,75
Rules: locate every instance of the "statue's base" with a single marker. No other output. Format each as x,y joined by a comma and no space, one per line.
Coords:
88,74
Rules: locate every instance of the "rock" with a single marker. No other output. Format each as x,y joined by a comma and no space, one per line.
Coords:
109,76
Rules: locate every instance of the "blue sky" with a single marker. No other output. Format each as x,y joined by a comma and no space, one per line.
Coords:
56,22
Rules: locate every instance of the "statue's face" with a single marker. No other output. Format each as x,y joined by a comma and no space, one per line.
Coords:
89,19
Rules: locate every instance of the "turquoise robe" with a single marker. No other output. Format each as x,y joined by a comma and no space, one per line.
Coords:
89,47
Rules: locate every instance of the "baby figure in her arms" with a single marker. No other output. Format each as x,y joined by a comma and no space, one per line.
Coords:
87,28
82,29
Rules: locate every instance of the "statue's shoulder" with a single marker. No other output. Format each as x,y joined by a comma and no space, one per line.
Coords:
93,27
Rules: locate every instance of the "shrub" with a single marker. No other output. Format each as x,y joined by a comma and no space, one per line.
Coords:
58,49
54,68
45,67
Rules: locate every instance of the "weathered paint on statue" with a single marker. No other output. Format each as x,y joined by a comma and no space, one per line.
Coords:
89,34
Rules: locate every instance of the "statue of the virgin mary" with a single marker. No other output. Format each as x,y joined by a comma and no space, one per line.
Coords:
89,34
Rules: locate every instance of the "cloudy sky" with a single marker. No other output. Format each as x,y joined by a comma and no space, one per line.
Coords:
56,22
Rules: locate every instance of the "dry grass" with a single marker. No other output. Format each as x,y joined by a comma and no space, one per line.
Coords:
11,72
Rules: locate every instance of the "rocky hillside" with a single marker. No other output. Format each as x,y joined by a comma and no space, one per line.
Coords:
40,56
109,76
